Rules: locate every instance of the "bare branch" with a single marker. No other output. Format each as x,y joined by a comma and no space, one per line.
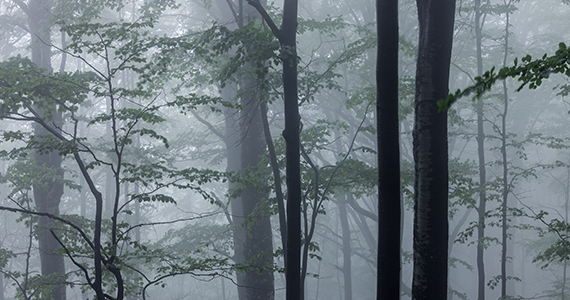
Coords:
80,266
208,124
200,216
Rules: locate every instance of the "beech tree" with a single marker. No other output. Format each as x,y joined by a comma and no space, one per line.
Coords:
47,191
388,286
287,36
30,96
436,20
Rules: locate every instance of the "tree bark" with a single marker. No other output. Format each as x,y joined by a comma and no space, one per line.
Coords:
48,192
481,209
288,39
287,36
346,248
436,19
506,186
388,280
258,245
233,150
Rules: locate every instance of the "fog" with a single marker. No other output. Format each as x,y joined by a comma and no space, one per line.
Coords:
143,156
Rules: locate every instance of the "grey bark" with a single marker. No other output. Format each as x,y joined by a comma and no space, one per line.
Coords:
47,193
346,248
258,244
481,209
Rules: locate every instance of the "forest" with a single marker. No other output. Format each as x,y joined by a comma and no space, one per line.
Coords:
254,149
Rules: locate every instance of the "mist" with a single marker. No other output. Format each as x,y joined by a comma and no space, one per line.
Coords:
146,151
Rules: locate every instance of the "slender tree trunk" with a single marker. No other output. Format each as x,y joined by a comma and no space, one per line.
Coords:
1,286
346,248
566,203
288,40
47,194
481,209
389,207
430,240
506,188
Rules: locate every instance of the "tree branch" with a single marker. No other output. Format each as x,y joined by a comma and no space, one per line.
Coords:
23,6
54,217
266,17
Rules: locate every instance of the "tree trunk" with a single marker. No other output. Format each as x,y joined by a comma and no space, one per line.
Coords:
388,280
506,187
481,209
346,248
233,150
258,245
287,36
47,193
430,240
288,40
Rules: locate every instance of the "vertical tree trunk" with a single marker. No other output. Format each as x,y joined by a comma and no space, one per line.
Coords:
47,193
481,209
232,140
506,187
1,286
389,208
288,39
346,248
258,246
566,202
430,240
287,36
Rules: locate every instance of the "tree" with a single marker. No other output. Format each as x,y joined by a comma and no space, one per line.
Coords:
388,151
436,20
258,243
47,192
287,38
481,209
95,246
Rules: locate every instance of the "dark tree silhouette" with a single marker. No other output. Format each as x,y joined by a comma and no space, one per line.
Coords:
436,20
388,151
287,36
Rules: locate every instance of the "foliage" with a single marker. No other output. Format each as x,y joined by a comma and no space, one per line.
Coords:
530,72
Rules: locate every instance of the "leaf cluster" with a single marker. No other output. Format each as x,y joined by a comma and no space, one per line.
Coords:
530,72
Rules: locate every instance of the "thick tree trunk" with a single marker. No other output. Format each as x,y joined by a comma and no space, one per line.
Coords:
436,20
233,150
47,193
388,280
287,36
258,245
